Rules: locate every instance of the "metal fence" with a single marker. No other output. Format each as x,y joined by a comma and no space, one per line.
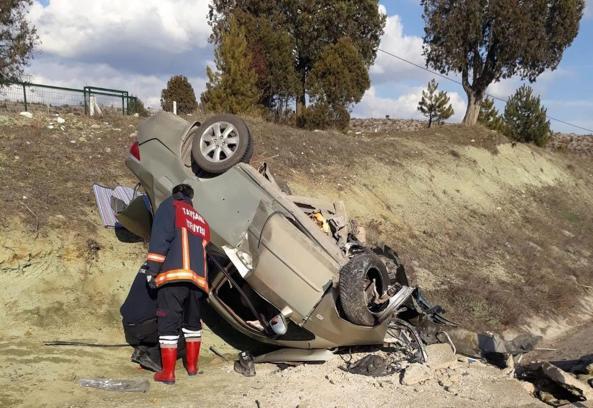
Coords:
17,96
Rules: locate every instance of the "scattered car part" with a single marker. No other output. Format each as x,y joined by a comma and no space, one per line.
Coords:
553,385
405,336
295,356
220,143
116,385
245,364
373,365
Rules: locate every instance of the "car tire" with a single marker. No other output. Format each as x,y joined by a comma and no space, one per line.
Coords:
222,142
399,272
355,282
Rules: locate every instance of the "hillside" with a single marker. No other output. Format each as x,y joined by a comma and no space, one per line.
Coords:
499,234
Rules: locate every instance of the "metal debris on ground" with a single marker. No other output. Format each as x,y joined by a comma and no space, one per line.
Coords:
553,385
402,347
245,364
116,385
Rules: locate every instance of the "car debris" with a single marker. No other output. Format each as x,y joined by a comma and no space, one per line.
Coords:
116,385
245,364
553,385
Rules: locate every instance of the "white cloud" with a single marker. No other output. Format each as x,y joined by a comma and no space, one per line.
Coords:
135,45
388,68
85,27
404,106
504,88
588,9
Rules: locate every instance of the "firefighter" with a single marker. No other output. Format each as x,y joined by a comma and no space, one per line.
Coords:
177,267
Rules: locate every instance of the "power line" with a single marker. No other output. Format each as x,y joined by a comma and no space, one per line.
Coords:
459,83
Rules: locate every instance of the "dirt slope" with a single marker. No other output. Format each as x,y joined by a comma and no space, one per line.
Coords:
499,234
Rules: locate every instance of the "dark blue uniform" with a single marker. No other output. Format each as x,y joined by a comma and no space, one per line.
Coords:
177,249
177,261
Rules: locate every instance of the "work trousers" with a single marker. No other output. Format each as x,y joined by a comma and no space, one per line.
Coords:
178,310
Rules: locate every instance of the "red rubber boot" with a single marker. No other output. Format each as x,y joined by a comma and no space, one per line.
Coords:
192,355
168,358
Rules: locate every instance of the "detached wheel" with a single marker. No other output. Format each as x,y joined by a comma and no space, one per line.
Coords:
220,143
361,279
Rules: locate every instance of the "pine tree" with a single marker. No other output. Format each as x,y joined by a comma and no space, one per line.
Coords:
435,105
489,115
525,118
338,79
179,90
233,87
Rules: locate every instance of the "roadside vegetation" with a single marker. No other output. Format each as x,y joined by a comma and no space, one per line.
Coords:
17,38
486,43
232,87
435,105
179,90
301,57
525,119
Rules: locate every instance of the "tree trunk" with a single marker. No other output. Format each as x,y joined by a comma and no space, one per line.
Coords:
473,108
301,101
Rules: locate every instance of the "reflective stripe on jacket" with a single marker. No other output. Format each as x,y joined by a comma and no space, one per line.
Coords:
177,249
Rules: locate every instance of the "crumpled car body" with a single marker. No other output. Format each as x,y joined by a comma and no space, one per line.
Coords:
268,257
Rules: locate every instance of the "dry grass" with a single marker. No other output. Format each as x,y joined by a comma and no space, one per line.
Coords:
46,173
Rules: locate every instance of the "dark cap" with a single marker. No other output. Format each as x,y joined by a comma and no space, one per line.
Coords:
184,189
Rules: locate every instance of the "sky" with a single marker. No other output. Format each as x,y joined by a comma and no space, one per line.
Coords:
137,45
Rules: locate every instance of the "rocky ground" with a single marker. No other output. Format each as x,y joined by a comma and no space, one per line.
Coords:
578,144
500,235
359,126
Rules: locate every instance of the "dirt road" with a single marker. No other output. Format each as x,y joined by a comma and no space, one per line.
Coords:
33,375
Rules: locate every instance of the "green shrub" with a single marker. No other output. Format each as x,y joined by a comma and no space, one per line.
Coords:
525,119
323,116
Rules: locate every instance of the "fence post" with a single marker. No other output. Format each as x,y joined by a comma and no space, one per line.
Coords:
123,106
174,107
25,97
91,105
86,108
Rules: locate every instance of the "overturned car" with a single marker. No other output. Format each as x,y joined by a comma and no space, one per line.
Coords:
285,272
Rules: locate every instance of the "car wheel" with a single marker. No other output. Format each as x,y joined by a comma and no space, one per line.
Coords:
399,272
359,279
220,143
